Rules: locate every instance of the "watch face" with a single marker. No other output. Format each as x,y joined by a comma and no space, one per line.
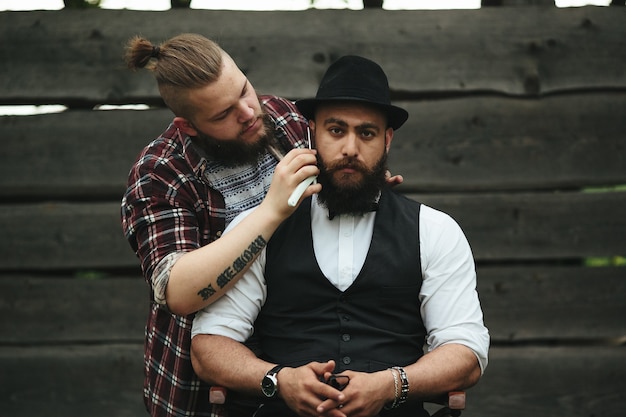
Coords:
268,386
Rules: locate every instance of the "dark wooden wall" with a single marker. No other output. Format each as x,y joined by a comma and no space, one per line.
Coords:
517,129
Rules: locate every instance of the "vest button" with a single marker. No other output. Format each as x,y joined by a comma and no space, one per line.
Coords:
346,360
345,337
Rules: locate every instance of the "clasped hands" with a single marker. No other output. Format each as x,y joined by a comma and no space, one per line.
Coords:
313,390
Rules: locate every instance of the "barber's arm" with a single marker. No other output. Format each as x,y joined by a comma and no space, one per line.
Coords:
201,276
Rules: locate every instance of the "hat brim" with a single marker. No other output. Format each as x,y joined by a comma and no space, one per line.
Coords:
396,116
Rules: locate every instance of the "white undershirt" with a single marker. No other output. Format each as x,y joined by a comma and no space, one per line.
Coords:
449,308
341,244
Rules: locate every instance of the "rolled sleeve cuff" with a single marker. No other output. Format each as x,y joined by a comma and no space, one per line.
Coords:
477,341
209,323
161,276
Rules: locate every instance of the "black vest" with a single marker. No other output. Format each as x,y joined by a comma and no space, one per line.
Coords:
374,324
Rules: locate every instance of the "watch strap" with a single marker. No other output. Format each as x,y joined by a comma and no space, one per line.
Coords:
275,370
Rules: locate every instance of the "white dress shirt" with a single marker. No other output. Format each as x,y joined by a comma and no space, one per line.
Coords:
450,307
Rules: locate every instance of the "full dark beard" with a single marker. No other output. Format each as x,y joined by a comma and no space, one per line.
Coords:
355,199
234,153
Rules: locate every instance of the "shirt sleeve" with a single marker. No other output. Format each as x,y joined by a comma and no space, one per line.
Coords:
159,216
233,315
450,306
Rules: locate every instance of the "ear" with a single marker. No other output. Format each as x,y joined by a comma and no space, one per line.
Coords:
388,139
185,126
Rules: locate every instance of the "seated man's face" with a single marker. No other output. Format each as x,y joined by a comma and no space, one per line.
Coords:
352,141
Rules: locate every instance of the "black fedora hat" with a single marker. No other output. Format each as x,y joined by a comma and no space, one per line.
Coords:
354,78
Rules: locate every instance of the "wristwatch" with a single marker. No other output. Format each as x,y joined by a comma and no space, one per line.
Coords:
269,384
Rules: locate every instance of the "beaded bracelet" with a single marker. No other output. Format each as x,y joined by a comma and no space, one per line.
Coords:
404,391
394,404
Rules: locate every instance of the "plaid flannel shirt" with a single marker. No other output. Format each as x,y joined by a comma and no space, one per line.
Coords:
169,207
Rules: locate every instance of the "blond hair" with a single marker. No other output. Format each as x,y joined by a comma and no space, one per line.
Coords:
183,63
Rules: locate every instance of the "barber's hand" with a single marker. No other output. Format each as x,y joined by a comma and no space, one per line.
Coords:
393,180
365,395
302,390
295,167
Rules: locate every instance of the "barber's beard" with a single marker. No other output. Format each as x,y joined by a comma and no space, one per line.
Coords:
235,153
345,197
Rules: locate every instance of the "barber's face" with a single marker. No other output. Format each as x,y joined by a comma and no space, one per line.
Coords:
351,139
227,109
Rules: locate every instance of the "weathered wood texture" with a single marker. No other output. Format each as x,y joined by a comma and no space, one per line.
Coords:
104,381
488,3
539,226
521,304
517,114
523,51
551,381
479,143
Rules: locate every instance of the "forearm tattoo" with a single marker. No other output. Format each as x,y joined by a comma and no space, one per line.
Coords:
246,258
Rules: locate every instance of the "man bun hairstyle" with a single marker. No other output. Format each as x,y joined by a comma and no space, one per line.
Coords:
185,62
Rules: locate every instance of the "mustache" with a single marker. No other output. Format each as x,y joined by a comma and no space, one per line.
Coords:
348,162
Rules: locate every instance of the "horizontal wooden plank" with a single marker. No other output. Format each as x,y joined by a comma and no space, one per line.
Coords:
88,308
520,303
101,381
538,226
75,154
72,380
526,303
64,236
477,143
568,141
511,50
551,381
525,226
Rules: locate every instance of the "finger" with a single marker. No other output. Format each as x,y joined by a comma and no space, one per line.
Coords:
310,190
299,167
321,367
334,412
328,405
300,190
297,153
332,397
395,180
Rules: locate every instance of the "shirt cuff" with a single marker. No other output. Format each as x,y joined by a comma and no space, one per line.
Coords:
207,322
477,339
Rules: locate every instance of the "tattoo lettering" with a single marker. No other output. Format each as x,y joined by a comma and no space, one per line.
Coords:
225,277
247,256
205,293
239,264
